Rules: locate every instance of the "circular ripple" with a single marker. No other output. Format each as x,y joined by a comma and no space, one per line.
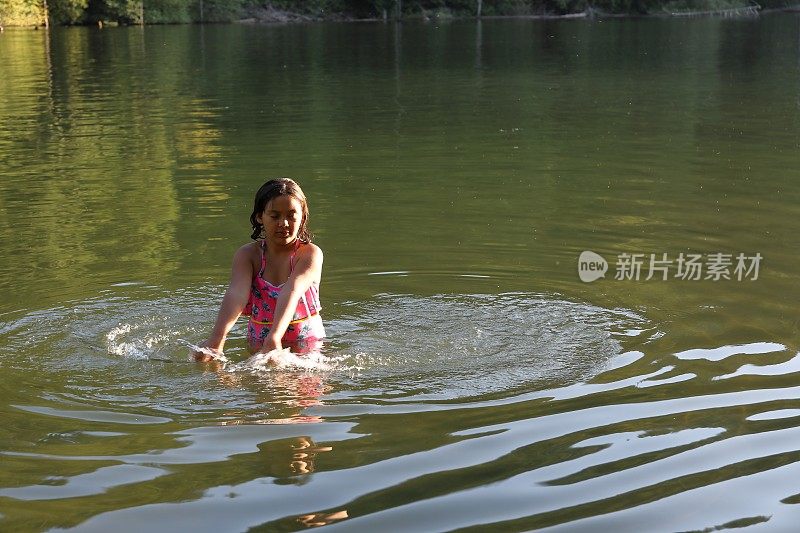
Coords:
447,345
474,344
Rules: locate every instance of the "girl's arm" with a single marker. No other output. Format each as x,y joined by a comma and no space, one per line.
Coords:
307,270
233,302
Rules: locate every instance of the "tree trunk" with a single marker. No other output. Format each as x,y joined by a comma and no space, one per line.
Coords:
480,7
46,16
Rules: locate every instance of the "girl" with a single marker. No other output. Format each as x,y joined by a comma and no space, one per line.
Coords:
275,279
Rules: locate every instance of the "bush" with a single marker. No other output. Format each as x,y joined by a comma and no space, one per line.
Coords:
21,13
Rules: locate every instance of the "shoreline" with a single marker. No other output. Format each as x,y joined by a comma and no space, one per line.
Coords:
272,16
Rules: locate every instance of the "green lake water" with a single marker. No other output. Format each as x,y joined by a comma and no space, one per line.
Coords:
455,173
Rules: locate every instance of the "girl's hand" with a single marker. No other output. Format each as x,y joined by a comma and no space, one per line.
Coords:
203,356
271,344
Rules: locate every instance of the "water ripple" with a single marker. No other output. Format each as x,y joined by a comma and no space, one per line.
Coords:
547,412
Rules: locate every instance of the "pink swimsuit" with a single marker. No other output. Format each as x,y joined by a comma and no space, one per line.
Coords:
305,329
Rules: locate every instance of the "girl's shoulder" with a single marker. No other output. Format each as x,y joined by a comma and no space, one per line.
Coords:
250,248
309,249
250,252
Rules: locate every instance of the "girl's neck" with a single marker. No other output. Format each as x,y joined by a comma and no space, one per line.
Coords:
279,249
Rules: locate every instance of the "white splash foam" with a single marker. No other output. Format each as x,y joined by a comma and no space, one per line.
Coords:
283,359
135,349
215,355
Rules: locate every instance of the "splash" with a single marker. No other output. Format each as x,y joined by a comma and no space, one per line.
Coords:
446,345
147,347
214,354
280,359
455,345
283,359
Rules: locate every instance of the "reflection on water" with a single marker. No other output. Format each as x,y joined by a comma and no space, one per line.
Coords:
397,429
455,173
359,444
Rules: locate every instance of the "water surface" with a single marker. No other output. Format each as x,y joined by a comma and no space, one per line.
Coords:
455,171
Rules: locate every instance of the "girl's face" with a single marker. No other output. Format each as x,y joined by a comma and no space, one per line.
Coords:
282,218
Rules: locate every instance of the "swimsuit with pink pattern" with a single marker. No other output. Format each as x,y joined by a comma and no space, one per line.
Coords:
305,329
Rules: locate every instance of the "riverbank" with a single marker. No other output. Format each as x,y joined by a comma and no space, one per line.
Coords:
271,14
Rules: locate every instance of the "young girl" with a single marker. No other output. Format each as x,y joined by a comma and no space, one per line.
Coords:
275,279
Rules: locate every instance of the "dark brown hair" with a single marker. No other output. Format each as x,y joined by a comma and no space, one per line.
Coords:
272,189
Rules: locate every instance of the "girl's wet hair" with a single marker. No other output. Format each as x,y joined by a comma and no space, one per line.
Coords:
272,189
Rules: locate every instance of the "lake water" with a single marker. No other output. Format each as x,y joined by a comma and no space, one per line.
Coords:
455,172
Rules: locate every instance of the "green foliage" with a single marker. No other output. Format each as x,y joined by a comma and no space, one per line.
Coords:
188,11
674,6
67,11
31,12
320,8
777,4
216,10
167,11
21,12
121,11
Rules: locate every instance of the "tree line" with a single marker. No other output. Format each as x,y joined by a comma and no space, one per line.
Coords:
68,12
